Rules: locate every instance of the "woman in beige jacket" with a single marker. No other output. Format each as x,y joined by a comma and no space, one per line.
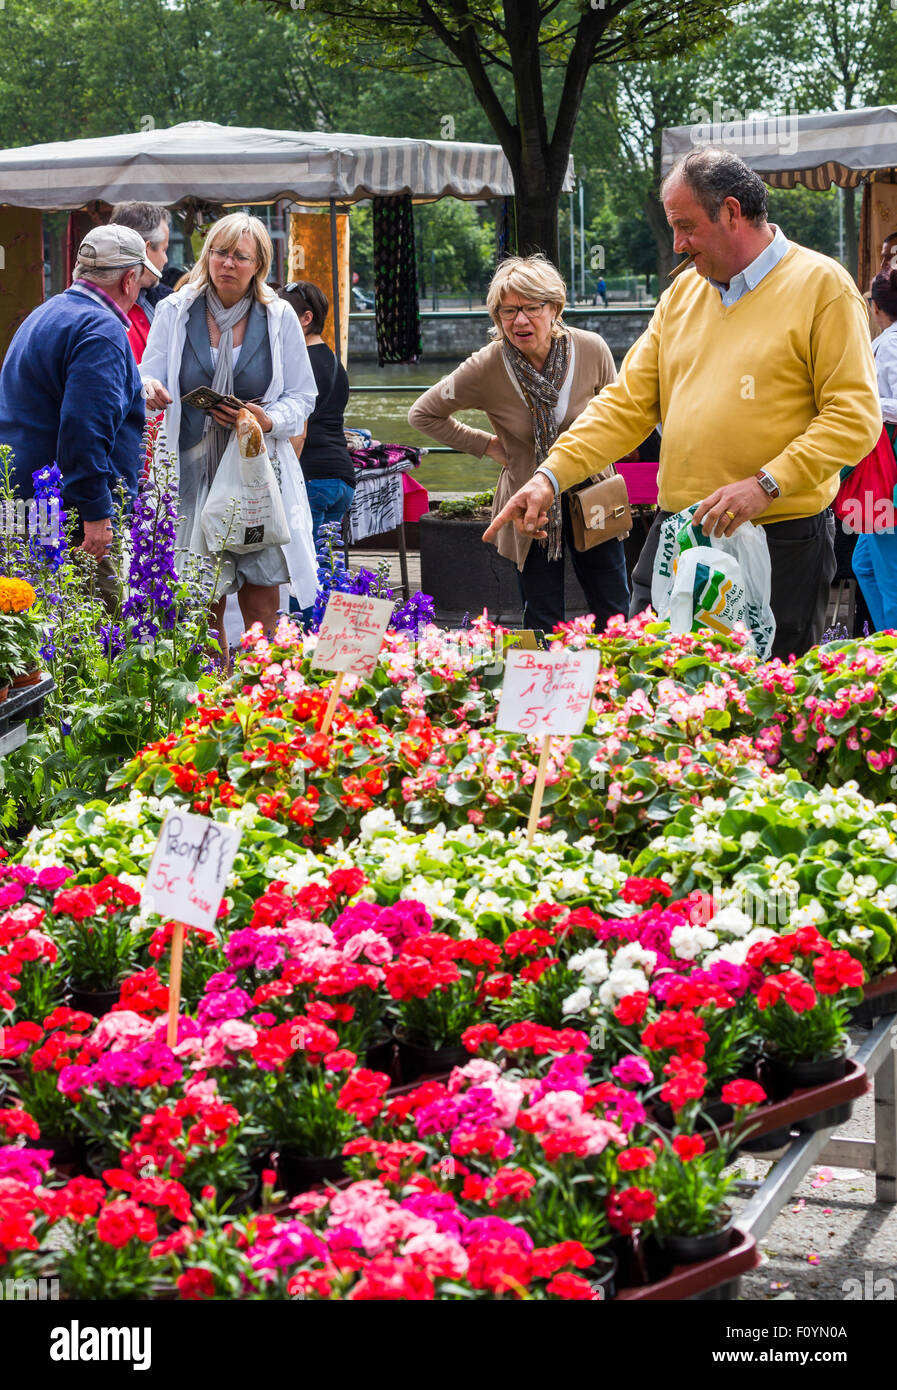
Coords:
532,382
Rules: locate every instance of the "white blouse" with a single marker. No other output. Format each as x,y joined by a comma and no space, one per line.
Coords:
884,350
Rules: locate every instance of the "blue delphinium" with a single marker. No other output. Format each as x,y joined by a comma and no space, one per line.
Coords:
47,544
151,605
409,616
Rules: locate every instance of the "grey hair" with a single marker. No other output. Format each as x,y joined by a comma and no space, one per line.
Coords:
145,218
103,275
714,175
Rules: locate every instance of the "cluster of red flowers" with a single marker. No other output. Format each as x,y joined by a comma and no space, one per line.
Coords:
21,943
163,1143
833,970
107,896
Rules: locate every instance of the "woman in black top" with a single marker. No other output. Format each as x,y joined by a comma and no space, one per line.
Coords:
325,460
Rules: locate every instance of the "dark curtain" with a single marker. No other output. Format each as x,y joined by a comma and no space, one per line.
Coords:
395,281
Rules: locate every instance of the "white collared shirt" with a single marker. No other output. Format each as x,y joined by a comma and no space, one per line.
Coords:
749,278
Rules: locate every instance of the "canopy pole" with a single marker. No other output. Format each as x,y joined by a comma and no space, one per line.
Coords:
334,283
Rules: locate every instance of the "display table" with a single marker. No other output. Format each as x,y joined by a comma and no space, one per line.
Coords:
22,704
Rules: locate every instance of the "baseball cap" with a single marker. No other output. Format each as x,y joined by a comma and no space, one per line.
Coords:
114,247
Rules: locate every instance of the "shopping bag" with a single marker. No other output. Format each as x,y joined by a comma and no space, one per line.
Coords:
865,500
716,582
244,510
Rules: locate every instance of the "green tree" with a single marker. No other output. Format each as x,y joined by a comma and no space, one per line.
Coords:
527,62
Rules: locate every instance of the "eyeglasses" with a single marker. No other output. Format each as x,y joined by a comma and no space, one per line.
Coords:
508,313
233,256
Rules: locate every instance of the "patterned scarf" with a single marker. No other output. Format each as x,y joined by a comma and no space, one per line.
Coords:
541,391
216,437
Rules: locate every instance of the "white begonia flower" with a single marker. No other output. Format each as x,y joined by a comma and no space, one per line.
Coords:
811,914
861,933
845,883
375,821
593,964
731,920
577,1001
886,897
866,885
687,943
877,838
825,814
619,984
750,839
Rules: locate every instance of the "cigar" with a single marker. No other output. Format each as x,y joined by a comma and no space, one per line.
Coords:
678,269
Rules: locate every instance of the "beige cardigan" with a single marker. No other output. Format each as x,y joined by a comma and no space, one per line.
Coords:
482,383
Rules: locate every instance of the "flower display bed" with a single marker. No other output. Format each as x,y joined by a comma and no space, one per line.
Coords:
475,1030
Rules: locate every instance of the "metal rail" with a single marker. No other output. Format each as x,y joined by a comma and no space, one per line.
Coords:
879,1057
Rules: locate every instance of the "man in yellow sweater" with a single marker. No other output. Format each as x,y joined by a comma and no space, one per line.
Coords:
758,367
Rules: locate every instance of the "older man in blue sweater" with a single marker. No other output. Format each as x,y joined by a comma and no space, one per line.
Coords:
70,390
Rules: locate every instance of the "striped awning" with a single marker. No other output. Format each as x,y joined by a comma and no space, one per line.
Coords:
786,149
226,164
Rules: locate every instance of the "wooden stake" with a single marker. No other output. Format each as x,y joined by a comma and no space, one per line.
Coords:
174,982
331,703
535,809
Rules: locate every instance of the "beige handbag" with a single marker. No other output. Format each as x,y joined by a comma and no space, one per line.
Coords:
599,512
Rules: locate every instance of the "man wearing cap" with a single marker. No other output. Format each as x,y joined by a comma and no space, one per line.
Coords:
153,222
70,390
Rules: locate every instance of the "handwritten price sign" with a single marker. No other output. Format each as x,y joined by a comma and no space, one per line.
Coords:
351,633
188,874
547,692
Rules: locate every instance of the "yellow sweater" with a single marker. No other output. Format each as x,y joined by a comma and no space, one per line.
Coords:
784,379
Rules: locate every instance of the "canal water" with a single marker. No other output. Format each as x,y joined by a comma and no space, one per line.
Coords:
385,414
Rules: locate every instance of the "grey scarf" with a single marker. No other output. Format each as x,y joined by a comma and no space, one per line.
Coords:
541,391
215,437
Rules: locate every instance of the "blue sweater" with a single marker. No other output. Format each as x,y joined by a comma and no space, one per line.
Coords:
70,391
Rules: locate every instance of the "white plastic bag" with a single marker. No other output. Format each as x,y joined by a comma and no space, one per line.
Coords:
244,510
716,582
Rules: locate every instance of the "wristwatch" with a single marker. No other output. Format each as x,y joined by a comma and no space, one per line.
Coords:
768,484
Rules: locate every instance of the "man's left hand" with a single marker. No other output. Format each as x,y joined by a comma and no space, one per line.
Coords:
724,510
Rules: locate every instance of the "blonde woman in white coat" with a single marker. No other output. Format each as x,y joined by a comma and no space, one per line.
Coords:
228,330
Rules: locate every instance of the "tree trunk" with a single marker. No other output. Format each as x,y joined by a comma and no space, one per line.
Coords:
663,238
537,219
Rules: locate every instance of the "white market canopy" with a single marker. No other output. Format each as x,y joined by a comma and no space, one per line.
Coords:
229,164
840,147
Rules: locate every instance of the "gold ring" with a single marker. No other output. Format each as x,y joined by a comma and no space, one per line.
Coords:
731,514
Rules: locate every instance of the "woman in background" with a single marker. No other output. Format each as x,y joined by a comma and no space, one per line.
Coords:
322,450
532,382
875,554
226,329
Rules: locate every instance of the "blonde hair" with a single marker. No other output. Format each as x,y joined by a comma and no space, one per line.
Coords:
532,277
225,235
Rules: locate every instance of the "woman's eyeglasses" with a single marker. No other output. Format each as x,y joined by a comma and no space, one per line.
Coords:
233,256
508,313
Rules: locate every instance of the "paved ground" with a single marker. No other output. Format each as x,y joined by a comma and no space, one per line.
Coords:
830,1232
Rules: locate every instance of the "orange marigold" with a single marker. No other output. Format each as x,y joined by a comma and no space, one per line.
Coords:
15,595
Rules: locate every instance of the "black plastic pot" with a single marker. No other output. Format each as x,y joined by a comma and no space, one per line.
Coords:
68,1152
716,1111
603,1275
298,1172
876,1006
689,1250
785,1077
416,1060
96,1002
381,1056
